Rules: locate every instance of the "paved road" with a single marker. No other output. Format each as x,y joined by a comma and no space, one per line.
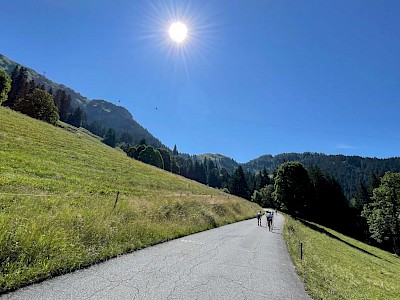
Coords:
237,261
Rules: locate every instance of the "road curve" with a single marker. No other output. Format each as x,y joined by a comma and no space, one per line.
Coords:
237,261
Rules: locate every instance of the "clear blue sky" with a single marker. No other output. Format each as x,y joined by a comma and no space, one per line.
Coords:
253,77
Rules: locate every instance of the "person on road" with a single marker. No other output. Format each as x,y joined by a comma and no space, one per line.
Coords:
259,215
269,219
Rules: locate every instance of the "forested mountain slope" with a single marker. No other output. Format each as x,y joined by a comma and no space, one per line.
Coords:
347,170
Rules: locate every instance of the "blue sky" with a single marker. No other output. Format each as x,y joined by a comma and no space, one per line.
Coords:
253,77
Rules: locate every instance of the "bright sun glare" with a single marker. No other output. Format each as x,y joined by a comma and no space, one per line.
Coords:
178,32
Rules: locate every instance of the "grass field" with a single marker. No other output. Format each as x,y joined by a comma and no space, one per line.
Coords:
57,194
335,266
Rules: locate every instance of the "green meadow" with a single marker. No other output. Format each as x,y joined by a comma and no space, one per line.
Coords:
59,209
335,266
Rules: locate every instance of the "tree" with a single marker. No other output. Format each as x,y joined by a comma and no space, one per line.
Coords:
292,188
78,118
174,166
63,103
383,213
175,151
238,184
131,152
109,138
264,197
166,158
151,157
5,86
262,179
39,105
19,86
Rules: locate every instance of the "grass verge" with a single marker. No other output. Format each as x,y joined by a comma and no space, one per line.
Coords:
57,194
335,266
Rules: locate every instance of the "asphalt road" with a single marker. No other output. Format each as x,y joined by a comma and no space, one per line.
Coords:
237,261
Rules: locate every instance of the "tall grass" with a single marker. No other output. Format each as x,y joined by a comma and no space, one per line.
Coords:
335,266
57,195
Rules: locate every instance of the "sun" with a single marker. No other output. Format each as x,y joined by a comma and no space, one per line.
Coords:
178,32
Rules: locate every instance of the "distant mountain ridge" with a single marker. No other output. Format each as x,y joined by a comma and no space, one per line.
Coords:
349,171
107,113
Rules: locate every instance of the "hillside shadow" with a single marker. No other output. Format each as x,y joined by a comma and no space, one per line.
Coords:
322,230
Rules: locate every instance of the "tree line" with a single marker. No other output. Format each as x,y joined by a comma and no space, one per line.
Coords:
373,216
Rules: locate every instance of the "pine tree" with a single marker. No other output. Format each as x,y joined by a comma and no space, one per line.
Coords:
109,138
175,151
77,118
19,86
63,103
238,184
5,86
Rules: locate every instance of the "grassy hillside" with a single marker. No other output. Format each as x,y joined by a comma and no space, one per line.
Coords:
335,266
57,195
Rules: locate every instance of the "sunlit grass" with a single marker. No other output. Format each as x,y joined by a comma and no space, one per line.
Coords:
57,194
335,266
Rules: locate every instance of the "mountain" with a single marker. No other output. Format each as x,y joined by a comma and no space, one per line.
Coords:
107,113
347,170
220,160
77,99
118,118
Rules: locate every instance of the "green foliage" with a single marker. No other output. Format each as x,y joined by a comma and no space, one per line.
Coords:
327,201
347,170
238,184
139,149
264,197
63,103
77,118
5,86
166,157
174,166
292,188
39,105
175,151
109,138
383,213
19,86
152,157
57,192
131,152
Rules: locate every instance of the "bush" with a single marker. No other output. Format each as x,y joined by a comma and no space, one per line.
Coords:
39,105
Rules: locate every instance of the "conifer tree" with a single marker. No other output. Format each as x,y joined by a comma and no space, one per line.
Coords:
175,151
109,138
19,86
5,86
63,103
238,184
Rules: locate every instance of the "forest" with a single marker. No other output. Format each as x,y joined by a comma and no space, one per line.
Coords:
357,196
